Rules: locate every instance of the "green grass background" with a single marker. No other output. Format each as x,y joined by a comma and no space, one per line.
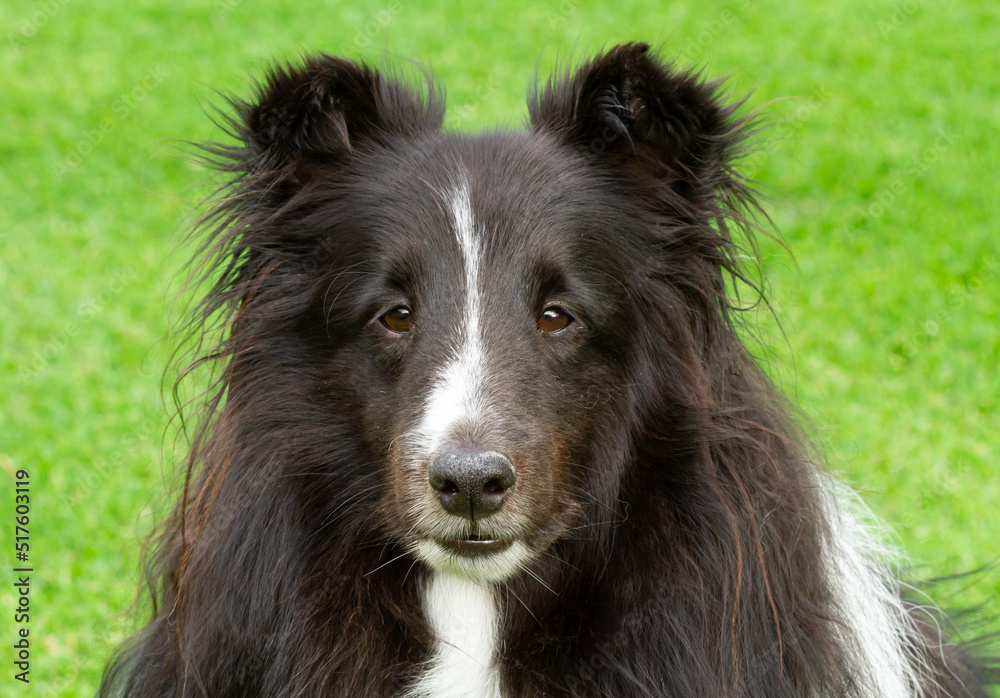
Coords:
881,170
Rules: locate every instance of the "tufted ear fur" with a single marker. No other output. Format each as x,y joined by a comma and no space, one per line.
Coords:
308,118
306,124
627,107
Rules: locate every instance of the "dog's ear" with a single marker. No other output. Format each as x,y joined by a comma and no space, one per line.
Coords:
309,118
627,107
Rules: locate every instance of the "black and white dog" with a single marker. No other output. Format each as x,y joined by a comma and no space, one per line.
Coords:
484,426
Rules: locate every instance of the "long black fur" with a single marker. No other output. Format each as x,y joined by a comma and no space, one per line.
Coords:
697,565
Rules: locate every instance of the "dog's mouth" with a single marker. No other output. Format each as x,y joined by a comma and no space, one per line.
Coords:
476,545
480,555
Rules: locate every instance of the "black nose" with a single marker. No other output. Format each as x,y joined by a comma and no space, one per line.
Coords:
471,483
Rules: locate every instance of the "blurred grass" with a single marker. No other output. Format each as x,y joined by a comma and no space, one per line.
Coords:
882,172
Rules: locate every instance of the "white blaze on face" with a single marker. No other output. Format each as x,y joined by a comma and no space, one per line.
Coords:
459,608
457,393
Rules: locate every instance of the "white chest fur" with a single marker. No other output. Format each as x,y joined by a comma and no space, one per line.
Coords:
463,616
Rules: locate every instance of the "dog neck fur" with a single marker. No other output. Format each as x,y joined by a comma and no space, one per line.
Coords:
879,632
462,614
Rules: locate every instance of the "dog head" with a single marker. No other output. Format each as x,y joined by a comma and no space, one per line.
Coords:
487,315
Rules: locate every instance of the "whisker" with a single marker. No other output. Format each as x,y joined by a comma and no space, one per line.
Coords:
583,495
559,559
363,476
356,499
512,592
408,570
384,564
539,580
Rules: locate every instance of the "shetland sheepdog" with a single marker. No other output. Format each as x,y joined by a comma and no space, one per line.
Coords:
484,425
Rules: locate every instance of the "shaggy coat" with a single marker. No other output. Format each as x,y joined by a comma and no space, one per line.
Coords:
393,299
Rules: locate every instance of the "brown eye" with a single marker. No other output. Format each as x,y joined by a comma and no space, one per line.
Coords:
554,319
398,319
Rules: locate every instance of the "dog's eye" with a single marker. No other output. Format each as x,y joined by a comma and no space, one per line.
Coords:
554,319
398,319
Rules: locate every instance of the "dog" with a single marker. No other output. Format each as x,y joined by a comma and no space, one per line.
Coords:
484,425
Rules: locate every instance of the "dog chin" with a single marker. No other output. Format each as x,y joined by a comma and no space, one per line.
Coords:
484,563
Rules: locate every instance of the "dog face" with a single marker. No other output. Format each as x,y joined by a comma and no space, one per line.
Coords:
482,342
479,306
